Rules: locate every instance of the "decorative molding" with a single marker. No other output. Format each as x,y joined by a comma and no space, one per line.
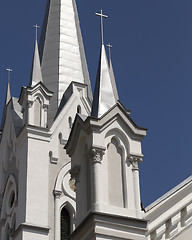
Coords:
29,226
75,173
135,159
61,140
96,154
45,106
29,104
57,193
53,159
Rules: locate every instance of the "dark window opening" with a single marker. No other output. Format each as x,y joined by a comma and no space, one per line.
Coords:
65,225
79,109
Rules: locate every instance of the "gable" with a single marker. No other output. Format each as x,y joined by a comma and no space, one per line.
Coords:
75,101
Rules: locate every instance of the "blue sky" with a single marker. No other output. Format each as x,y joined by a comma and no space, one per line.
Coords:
152,60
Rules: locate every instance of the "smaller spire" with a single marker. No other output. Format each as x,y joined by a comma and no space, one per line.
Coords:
8,95
113,82
104,94
109,47
36,75
8,98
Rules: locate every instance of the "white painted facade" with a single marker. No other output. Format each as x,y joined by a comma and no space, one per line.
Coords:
61,150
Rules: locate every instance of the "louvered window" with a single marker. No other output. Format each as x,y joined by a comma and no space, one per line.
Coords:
65,224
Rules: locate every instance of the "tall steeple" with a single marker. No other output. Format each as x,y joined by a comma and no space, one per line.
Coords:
61,51
105,93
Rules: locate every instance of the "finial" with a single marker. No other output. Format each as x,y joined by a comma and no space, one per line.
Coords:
36,29
109,46
9,70
105,16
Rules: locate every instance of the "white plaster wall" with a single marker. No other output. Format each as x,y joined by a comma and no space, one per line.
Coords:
60,128
22,181
37,182
33,235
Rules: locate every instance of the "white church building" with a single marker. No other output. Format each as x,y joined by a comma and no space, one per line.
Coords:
69,160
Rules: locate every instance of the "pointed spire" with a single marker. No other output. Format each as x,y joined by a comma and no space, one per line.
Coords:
36,75
8,98
113,82
8,95
61,51
104,97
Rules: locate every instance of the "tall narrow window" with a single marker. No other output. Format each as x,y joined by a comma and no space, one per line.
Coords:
79,109
70,122
65,225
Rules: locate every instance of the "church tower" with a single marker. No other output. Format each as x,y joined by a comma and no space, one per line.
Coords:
105,151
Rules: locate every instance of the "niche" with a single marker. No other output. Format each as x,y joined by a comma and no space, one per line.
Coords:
37,112
115,174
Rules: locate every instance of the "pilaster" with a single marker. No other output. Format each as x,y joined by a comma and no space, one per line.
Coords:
135,159
57,195
96,157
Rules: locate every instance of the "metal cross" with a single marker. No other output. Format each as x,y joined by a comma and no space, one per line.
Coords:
9,72
105,16
109,46
36,26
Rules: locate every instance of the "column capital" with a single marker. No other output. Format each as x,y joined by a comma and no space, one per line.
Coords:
96,154
57,193
45,106
135,159
29,104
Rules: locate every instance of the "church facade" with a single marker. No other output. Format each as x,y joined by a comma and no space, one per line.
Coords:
69,161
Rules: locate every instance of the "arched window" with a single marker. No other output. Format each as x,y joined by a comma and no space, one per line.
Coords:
65,224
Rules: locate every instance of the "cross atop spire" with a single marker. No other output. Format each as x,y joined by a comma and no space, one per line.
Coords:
109,46
9,70
105,16
36,30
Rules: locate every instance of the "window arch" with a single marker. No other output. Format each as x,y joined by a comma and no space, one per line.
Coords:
65,224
